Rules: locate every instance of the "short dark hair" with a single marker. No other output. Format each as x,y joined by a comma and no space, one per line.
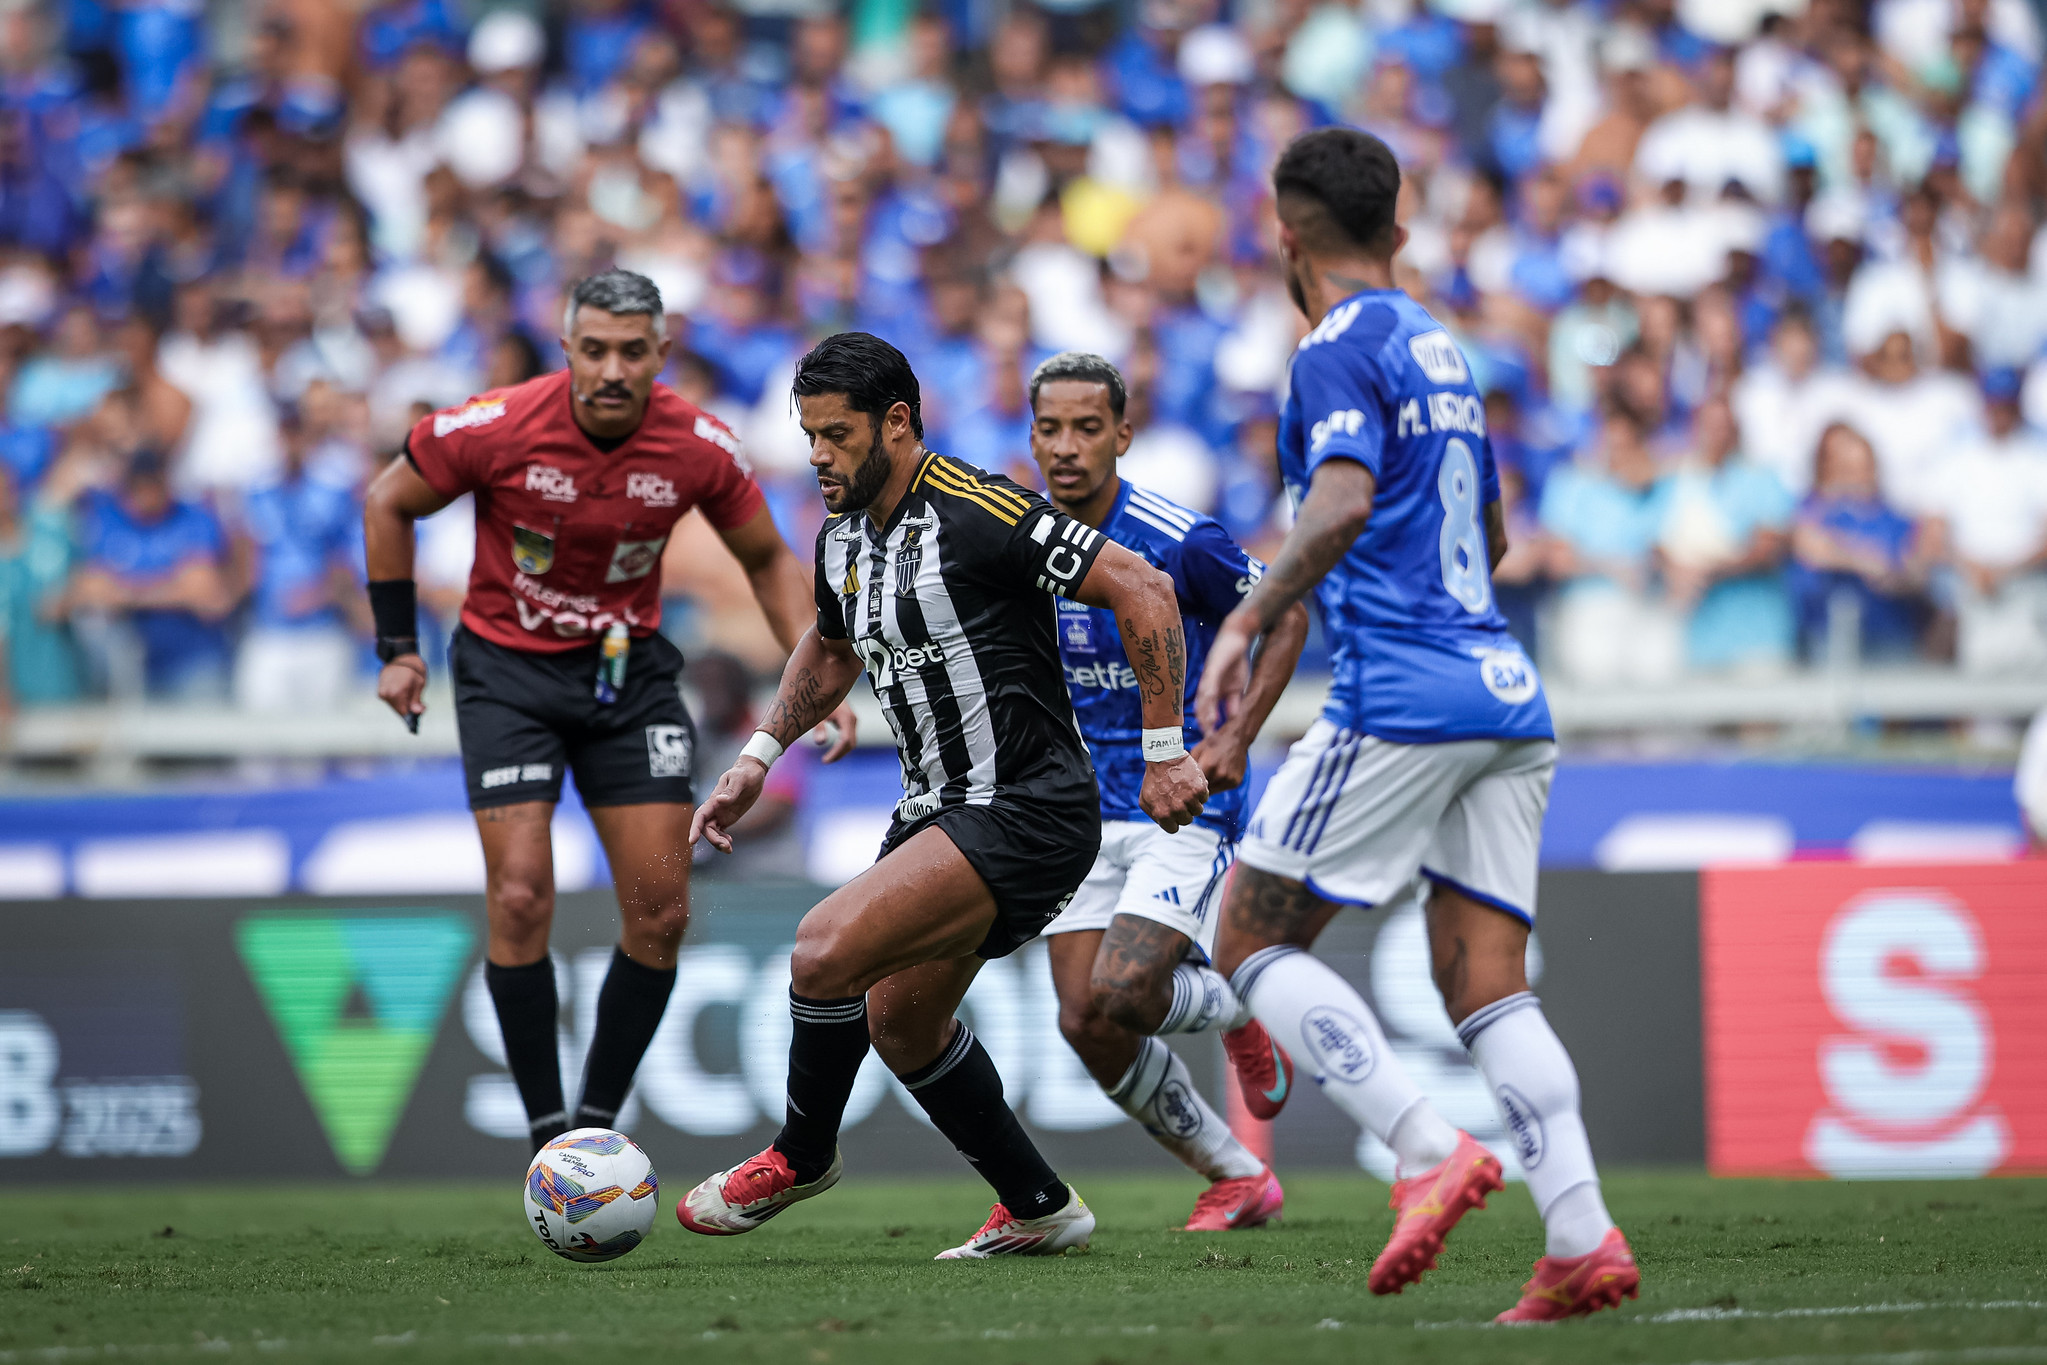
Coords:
873,375
618,292
1337,187
1085,367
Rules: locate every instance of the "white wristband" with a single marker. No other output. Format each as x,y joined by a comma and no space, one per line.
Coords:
764,747
1164,744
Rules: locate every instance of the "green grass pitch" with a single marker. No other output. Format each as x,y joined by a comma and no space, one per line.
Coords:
1887,1274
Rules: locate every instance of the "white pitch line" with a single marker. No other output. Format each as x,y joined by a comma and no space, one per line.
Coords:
1846,1310
1965,1355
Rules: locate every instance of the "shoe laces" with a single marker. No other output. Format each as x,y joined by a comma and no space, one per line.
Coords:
1217,1197
759,1177
998,1216
1250,1052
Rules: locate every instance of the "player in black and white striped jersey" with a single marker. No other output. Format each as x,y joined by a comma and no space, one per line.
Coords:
934,577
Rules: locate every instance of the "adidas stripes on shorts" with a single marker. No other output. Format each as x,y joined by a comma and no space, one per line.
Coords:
1175,879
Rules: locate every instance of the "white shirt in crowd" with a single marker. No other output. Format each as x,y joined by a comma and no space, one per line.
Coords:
1782,417
1993,494
1913,427
1706,148
233,440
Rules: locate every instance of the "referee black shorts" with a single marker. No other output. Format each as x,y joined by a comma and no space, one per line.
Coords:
1033,854
524,718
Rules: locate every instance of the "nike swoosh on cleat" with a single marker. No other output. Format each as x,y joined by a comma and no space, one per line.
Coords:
1278,1093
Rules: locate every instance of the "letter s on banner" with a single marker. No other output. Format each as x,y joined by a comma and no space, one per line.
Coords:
1871,1021
1897,1114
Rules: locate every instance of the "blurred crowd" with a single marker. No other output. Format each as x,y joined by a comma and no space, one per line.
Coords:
1756,290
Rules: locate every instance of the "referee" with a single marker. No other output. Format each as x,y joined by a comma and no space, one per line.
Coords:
578,478
938,579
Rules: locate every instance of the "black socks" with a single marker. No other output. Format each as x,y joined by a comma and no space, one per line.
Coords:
629,1009
962,1092
827,1043
526,1006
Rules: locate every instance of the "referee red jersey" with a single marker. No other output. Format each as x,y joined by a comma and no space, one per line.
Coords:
569,536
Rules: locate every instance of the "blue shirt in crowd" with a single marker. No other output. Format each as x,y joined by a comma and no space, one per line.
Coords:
136,552
303,529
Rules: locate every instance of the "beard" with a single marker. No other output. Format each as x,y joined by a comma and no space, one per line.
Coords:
1291,269
869,478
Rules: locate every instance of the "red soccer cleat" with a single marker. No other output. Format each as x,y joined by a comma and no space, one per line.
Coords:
1248,1201
1426,1207
741,1199
1572,1286
1265,1074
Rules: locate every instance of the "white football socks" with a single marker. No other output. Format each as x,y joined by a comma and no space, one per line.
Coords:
1536,1088
1314,1014
1202,1000
1159,1093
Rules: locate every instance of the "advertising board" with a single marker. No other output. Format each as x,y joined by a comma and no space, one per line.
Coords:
335,1037
1876,1021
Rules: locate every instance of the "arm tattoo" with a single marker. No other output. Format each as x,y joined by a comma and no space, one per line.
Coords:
800,703
1160,667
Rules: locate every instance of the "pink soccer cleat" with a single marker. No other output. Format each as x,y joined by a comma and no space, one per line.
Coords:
1572,1286
1265,1074
1426,1207
1248,1201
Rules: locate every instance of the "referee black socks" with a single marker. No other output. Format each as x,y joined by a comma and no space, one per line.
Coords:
827,1043
629,1009
526,1006
962,1092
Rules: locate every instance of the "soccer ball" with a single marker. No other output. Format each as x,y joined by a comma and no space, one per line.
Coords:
591,1195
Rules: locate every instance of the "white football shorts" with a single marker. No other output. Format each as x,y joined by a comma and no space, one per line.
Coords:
1355,818
1175,879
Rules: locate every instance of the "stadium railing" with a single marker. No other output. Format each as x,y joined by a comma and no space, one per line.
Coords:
111,738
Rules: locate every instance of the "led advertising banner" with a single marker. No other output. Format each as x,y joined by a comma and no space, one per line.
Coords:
1875,1022
311,1037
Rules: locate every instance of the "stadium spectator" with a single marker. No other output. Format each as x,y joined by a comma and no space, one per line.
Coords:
1604,514
303,529
1722,546
1858,566
149,593
37,664
1991,506
1786,400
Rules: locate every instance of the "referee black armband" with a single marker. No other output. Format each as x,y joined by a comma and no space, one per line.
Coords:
394,604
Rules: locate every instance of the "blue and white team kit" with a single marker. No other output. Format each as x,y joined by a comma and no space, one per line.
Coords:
1175,879
1434,751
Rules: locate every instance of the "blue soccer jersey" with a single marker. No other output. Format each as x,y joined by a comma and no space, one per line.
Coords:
1211,573
1419,652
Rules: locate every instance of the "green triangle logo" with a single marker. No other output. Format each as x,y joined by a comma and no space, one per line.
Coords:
357,1002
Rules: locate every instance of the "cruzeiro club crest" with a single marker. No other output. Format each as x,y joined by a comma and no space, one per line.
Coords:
532,552
358,1002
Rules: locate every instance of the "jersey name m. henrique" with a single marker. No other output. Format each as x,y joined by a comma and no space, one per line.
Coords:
949,606
1419,652
569,536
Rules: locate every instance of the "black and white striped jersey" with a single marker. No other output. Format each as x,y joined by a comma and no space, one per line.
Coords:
948,607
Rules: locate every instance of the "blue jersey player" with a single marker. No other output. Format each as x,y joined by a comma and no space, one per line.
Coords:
1433,756
1130,951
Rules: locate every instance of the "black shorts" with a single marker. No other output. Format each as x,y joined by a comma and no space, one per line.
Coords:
1033,854
522,717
